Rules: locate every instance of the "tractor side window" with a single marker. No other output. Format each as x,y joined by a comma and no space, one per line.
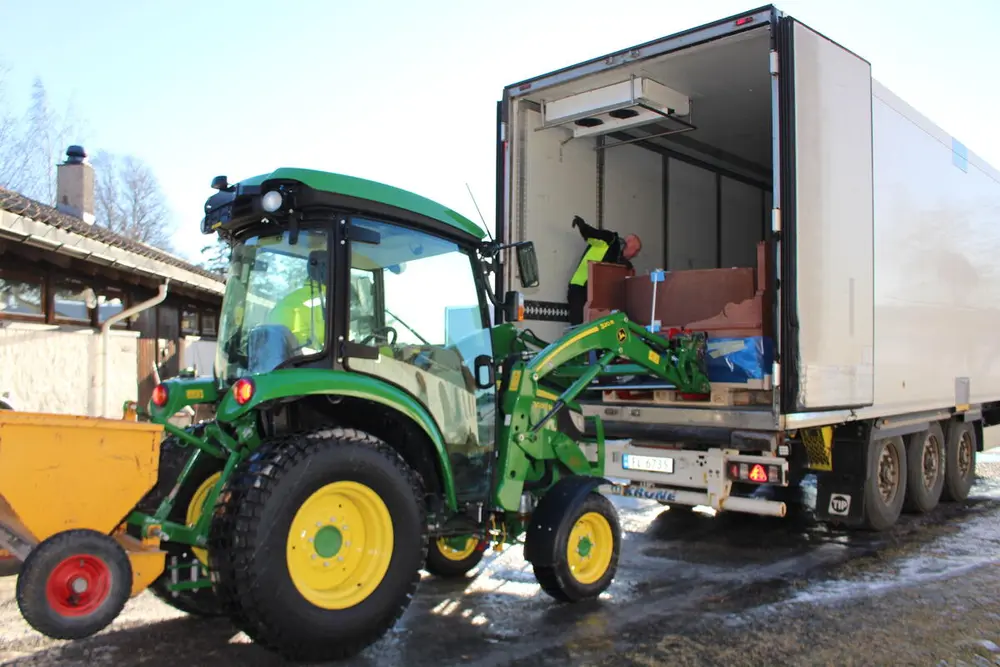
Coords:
414,298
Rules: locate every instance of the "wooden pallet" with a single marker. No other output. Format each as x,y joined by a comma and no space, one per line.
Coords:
724,394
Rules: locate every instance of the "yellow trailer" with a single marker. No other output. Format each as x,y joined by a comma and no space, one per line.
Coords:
67,483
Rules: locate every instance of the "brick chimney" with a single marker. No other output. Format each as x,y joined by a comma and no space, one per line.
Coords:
75,185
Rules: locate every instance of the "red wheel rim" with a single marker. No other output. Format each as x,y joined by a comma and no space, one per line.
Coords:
78,585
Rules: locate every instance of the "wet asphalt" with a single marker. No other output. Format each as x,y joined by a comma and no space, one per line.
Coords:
692,589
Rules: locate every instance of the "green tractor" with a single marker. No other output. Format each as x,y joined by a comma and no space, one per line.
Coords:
371,422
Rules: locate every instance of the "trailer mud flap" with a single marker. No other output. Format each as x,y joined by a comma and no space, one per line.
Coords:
540,539
840,491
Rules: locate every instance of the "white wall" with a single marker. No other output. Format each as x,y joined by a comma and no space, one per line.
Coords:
57,369
198,353
633,200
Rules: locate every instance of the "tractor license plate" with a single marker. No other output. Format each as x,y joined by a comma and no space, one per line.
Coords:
648,463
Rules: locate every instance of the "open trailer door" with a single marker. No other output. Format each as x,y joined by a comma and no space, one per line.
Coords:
826,222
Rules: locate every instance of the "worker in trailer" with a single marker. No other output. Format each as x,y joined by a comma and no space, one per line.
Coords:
603,245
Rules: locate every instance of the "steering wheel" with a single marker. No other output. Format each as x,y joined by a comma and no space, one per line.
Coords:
375,334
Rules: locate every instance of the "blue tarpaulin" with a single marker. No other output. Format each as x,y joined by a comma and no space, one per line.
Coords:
739,359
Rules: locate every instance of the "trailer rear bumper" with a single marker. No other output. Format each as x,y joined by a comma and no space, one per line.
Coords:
693,477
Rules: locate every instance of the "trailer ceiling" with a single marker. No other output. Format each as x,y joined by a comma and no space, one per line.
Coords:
729,83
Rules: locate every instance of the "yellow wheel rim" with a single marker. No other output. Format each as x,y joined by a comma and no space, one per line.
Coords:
591,544
454,554
195,509
339,545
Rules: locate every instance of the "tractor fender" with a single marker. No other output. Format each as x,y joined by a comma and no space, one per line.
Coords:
546,528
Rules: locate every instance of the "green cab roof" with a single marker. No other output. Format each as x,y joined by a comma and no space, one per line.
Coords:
381,193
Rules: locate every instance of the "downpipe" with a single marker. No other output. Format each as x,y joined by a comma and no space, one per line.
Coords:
106,329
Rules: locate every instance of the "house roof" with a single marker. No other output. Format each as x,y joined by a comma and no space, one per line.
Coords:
19,205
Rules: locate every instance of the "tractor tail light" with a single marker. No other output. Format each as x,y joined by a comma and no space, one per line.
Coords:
243,391
160,395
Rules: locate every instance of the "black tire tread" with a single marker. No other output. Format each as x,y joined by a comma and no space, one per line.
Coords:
238,514
877,516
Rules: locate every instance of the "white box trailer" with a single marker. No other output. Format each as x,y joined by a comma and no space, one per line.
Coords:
884,295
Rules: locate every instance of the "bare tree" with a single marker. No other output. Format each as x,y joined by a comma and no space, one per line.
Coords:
32,142
215,257
128,200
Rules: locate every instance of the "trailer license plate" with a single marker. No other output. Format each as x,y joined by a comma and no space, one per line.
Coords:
648,463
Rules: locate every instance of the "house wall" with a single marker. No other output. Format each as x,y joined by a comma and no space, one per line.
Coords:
198,353
57,369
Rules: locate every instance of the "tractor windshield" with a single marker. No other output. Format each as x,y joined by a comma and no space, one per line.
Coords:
275,303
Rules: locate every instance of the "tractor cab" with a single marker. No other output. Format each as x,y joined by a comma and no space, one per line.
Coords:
333,272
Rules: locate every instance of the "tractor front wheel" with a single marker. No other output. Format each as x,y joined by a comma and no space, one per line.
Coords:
587,547
317,543
454,556
74,584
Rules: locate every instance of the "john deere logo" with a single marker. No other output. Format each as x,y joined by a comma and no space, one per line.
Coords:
621,335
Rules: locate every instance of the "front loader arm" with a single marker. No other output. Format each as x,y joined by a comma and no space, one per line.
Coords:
529,440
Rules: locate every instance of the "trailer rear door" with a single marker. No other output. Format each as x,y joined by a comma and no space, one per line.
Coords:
827,222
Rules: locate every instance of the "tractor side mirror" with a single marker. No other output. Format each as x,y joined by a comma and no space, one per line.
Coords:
527,264
513,307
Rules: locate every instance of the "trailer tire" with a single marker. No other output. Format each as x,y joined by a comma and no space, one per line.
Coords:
925,452
960,448
302,589
576,573
201,602
47,587
885,483
443,560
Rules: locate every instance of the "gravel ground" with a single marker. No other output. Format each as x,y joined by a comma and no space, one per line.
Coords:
692,590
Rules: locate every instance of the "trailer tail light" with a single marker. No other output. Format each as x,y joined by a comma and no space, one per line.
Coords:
743,21
756,473
243,391
160,395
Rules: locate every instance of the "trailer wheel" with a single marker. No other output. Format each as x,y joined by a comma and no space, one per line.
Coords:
925,469
960,461
588,548
885,486
318,542
74,584
454,557
188,506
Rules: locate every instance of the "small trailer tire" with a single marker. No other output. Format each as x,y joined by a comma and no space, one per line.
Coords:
925,452
587,547
444,560
885,484
74,584
961,444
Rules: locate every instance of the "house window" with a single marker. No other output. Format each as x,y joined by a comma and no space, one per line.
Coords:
189,322
72,302
208,324
111,302
21,297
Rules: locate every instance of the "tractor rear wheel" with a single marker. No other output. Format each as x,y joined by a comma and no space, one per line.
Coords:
453,556
317,543
188,506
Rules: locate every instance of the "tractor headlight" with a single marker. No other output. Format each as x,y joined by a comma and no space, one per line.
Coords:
271,201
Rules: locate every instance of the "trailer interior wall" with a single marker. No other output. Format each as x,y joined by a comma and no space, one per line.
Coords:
698,199
937,274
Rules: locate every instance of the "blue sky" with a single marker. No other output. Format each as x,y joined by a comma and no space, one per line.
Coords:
405,92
